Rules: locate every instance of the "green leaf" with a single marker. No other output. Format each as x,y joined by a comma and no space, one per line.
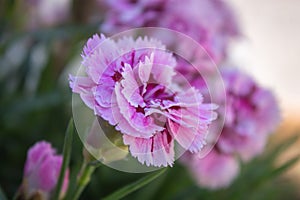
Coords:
66,157
281,169
281,147
134,186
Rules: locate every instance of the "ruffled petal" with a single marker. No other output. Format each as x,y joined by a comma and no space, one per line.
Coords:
157,150
92,44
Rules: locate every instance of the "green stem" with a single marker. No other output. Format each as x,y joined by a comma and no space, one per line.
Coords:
66,158
134,186
85,177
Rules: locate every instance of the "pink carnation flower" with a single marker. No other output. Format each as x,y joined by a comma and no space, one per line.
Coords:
210,22
130,84
252,114
216,170
42,170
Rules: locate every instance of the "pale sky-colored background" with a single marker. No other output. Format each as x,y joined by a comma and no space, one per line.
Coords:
270,50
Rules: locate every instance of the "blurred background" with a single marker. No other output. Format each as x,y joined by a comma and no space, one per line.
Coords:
270,49
37,54
270,52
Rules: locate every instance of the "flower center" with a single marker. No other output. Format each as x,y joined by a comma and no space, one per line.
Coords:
117,76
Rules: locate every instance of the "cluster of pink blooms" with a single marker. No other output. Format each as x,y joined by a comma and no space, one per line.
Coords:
130,84
252,111
210,22
41,172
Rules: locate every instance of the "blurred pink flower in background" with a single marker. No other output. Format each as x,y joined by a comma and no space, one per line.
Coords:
216,170
210,22
252,113
43,13
41,172
130,84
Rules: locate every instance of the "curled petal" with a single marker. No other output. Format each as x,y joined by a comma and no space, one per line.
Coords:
131,88
145,69
122,124
137,120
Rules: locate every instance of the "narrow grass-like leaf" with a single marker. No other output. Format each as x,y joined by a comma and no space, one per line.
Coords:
67,149
134,186
261,170
281,147
281,169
